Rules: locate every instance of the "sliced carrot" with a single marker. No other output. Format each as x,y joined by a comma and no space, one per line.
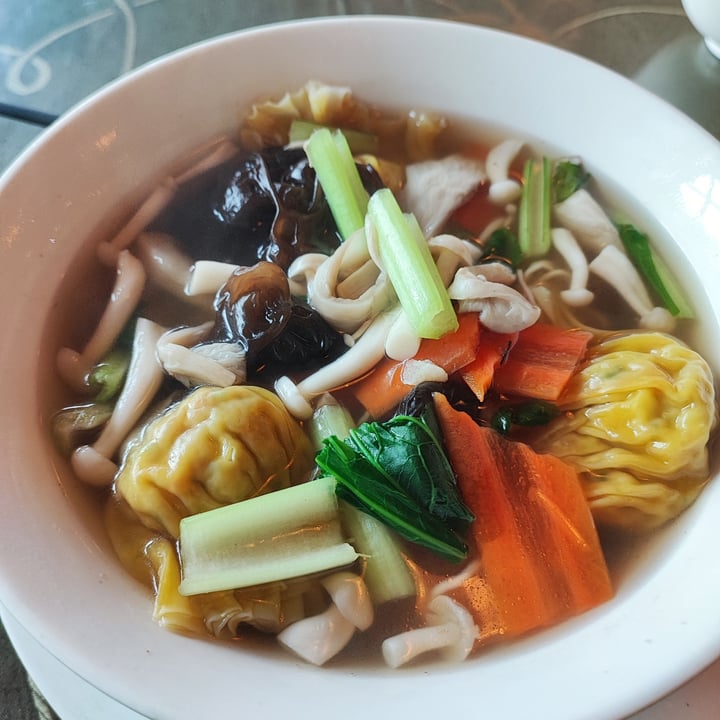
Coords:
540,556
542,361
480,372
382,389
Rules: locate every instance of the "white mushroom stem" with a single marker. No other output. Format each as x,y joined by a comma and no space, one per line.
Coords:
94,463
449,253
208,276
414,372
74,366
181,355
166,265
158,200
302,271
450,630
355,362
192,367
614,266
319,638
584,217
456,581
503,189
565,243
351,597
501,308
402,341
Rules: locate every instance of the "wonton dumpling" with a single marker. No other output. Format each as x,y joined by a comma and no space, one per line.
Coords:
639,416
215,447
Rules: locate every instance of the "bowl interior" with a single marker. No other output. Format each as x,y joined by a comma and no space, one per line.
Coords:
58,575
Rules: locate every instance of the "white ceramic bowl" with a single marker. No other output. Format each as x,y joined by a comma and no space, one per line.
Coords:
58,576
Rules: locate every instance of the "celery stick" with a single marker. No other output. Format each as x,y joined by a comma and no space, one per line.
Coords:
535,204
339,178
386,575
406,259
277,536
358,140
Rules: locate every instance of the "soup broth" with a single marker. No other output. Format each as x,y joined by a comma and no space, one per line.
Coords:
191,388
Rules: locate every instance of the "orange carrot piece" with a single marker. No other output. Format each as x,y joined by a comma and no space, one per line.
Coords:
492,349
541,559
542,361
477,212
383,388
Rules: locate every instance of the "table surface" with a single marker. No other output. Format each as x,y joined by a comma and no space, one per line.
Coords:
54,53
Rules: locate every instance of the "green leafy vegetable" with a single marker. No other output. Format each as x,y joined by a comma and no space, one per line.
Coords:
568,177
655,272
502,244
398,472
108,376
535,412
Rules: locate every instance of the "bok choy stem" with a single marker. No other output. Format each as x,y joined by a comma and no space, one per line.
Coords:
655,272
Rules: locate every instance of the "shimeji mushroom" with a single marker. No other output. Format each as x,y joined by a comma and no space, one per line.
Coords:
450,631
582,215
565,243
503,189
184,355
450,253
160,198
501,308
93,463
208,276
616,268
74,366
320,637
109,250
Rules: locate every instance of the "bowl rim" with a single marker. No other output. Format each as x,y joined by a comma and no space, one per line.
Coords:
69,644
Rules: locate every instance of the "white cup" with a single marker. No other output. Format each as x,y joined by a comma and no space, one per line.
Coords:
705,16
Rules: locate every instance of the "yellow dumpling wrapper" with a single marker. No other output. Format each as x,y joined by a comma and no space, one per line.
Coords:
152,558
214,447
637,421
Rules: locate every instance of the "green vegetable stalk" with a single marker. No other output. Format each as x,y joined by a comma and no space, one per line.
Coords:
277,536
386,573
535,205
330,156
406,259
